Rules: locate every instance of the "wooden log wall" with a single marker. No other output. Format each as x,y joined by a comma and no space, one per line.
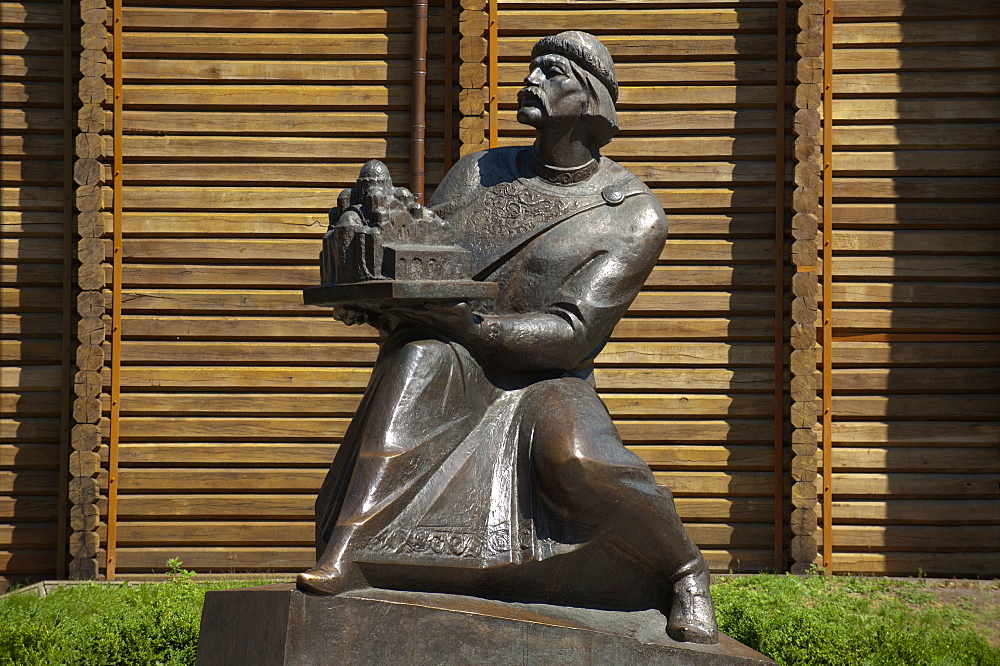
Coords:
916,282
37,65
688,375
240,126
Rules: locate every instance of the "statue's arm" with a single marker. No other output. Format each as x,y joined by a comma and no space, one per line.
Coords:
590,302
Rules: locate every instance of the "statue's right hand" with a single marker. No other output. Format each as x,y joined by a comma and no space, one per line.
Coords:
350,316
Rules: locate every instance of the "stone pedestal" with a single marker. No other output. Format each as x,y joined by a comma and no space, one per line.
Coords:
277,624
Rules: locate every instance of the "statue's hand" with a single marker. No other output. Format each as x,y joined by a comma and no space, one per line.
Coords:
351,316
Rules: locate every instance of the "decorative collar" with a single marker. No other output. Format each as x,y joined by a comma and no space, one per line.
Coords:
562,175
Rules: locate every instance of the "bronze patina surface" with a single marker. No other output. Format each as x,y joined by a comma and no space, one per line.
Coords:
481,460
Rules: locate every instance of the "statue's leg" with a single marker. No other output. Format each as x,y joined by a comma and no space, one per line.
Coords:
585,473
430,395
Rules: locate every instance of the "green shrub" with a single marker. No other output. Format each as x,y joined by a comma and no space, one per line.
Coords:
847,621
105,625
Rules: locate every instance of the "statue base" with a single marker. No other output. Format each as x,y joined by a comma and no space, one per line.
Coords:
278,624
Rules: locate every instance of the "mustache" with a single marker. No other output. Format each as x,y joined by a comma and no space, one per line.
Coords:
530,92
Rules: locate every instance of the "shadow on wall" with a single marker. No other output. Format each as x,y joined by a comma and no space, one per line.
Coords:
917,361
33,384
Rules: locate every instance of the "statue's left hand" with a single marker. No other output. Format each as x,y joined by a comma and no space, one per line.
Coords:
453,319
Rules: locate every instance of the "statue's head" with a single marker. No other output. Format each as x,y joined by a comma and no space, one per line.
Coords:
571,77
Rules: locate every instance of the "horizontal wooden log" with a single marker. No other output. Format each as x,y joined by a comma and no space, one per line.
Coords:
729,457
301,148
952,406
972,565
914,380
37,562
914,353
207,44
656,120
15,403
517,20
913,187
28,508
945,242
260,300
937,83
918,58
943,460
965,265
31,378
286,533
915,109
300,506
915,33
220,70
634,405
652,47
196,428
969,433
916,163
909,485
934,216
959,511
922,319
30,351
31,299
632,73
296,378
666,96
323,326
299,20
305,275
916,136
942,294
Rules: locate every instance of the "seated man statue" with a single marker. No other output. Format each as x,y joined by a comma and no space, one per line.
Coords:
481,460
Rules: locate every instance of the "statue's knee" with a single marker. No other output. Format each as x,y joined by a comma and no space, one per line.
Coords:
424,352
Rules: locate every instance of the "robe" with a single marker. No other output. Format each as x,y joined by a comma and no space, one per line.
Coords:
433,481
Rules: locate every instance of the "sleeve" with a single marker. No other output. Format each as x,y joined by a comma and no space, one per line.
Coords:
591,300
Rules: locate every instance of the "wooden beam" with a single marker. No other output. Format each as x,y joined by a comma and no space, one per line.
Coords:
779,292
494,57
827,315
116,307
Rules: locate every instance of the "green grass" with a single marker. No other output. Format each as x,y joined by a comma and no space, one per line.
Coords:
796,620
851,621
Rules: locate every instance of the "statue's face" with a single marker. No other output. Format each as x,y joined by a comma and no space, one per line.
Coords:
552,92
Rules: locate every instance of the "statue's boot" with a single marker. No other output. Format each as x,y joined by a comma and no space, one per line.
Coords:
692,615
334,572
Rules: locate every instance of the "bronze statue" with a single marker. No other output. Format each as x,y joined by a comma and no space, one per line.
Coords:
481,460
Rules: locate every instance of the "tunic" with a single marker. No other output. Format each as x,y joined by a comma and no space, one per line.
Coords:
434,473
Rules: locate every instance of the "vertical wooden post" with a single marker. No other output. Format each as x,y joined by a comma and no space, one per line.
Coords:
827,315
66,380
805,228
779,295
449,83
92,199
116,307
418,110
494,84
472,53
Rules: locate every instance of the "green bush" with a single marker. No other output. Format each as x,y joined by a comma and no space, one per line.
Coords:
105,625
847,621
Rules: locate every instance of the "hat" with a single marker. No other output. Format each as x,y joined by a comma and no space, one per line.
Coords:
585,50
